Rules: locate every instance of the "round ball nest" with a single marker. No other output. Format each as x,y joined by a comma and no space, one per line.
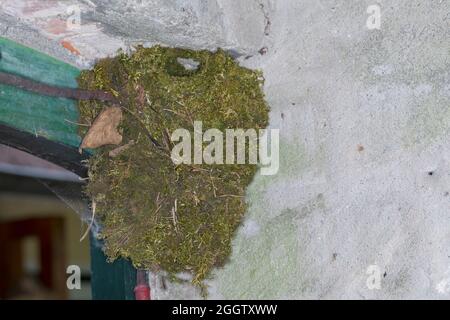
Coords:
164,216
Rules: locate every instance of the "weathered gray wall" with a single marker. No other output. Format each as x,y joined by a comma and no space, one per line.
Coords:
364,117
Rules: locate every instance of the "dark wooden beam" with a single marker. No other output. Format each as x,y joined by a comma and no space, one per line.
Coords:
60,154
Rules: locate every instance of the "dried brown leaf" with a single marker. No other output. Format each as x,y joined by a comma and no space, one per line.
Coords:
104,129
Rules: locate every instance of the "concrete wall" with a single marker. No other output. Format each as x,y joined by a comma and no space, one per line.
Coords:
364,118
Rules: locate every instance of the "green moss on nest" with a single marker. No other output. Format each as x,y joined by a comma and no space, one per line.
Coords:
136,191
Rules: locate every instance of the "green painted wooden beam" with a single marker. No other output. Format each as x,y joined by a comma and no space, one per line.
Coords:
51,118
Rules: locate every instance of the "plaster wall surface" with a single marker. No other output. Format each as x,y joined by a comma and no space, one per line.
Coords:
364,115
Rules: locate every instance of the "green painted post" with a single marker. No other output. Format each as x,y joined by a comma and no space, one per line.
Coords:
112,281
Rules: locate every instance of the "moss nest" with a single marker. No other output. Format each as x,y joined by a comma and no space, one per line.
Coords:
160,215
